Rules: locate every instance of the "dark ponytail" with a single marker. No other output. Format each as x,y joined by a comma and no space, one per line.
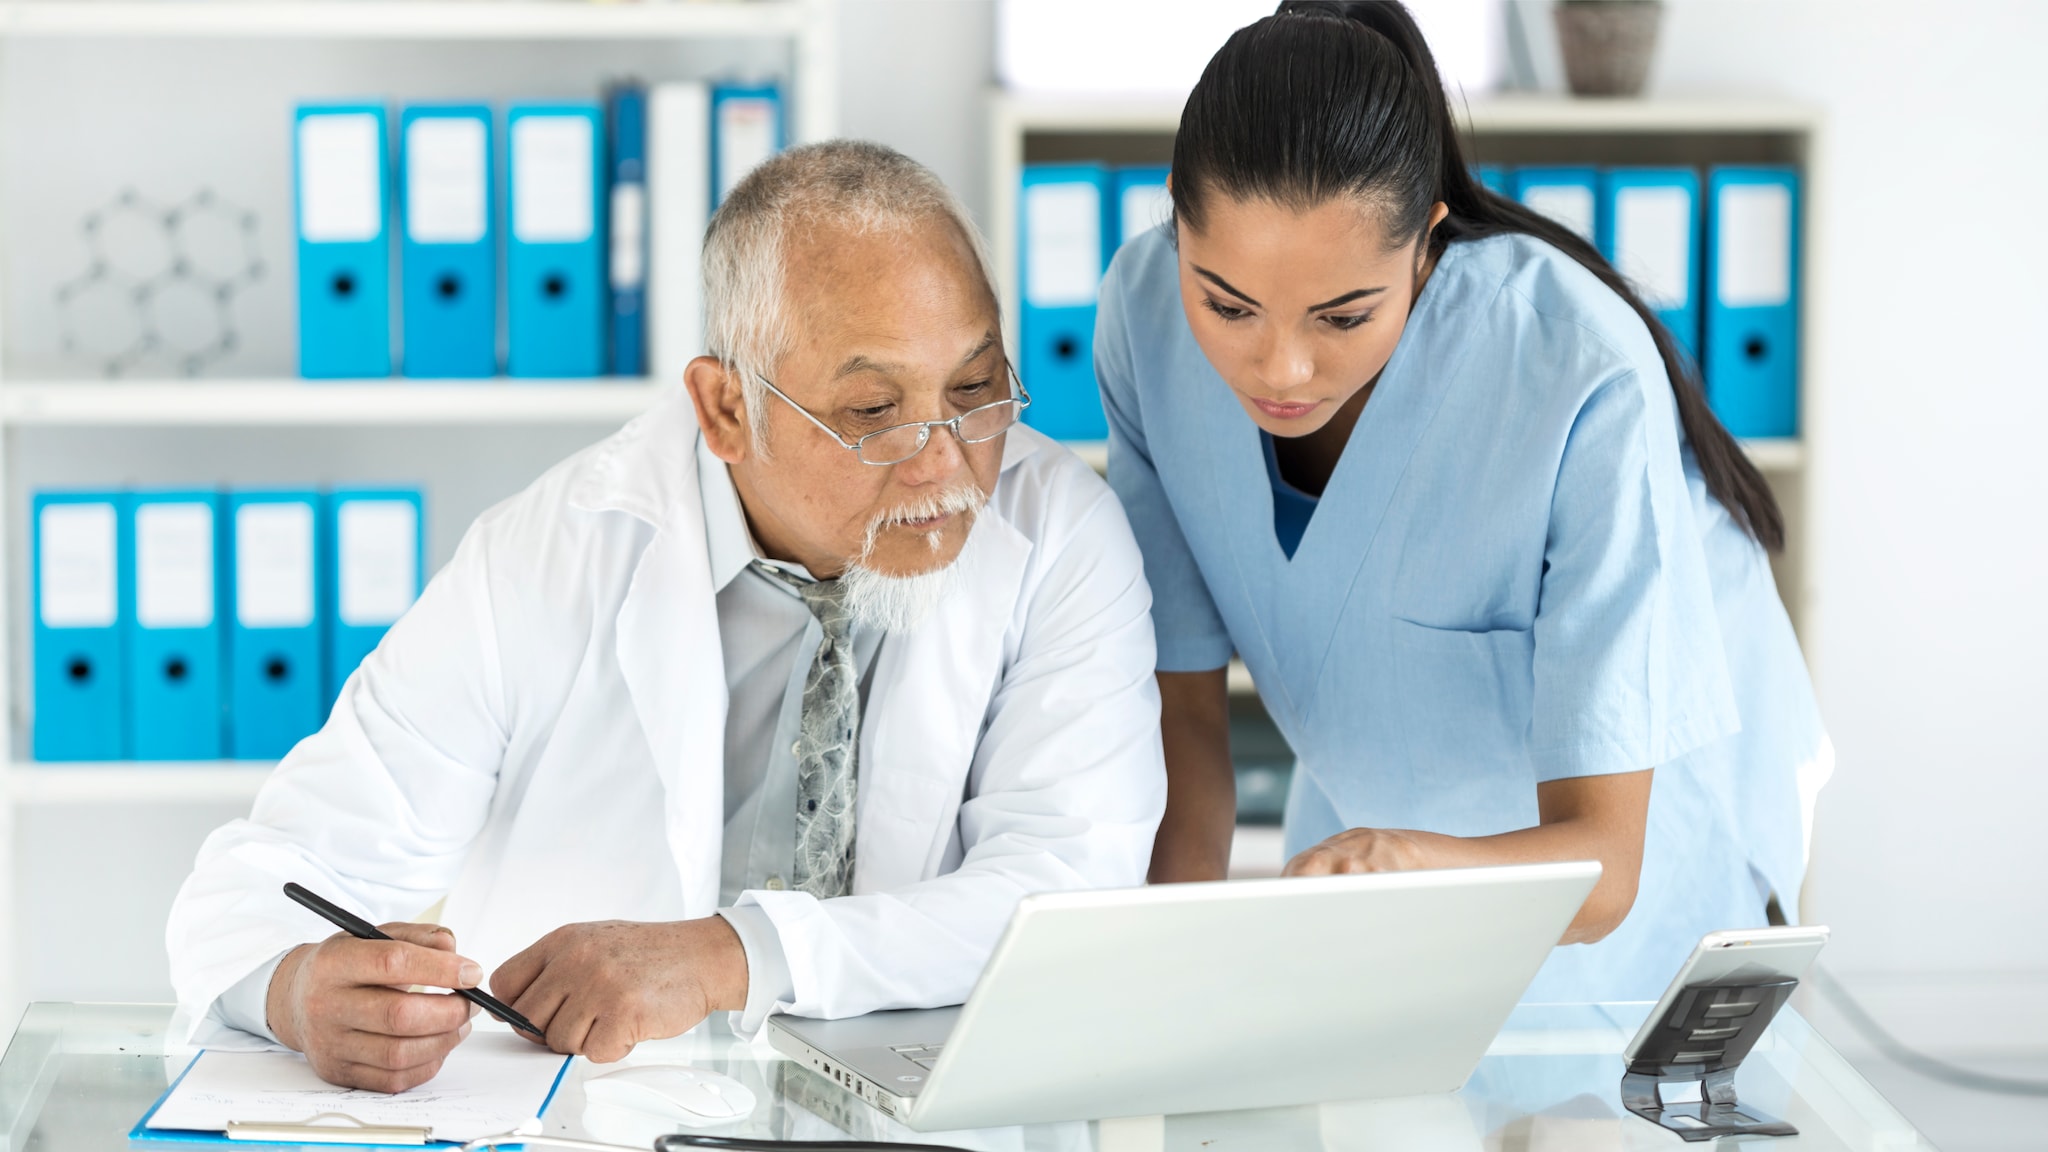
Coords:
1332,99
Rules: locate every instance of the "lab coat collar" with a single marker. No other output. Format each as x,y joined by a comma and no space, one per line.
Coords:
930,687
730,541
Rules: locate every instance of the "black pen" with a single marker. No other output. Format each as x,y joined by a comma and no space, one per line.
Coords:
362,929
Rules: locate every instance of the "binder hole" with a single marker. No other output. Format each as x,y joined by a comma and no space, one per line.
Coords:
174,669
276,670
448,287
554,286
1754,348
1066,348
344,285
79,670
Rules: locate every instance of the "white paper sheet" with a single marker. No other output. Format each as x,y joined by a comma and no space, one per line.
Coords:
492,1083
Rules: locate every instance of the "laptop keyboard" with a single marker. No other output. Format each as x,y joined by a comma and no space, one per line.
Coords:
922,1055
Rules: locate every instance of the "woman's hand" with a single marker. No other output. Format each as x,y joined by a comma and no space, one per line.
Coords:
1362,850
1582,818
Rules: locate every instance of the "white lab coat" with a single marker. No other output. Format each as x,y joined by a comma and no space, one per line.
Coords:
1010,744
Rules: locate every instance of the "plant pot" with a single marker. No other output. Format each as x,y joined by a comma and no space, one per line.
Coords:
1607,44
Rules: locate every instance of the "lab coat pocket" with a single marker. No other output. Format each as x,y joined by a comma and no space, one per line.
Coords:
1463,701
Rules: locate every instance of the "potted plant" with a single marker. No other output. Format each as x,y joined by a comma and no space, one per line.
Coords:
1607,44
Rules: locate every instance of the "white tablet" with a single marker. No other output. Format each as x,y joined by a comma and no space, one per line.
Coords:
1740,954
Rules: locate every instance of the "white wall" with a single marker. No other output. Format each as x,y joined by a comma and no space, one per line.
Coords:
1931,535
914,74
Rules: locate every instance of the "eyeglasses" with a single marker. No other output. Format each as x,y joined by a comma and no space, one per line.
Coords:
899,442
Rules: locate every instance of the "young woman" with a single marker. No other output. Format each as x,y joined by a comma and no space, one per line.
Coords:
1427,464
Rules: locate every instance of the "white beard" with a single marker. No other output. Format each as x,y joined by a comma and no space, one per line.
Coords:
901,603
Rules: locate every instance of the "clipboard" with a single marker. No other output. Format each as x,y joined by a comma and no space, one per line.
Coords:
320,1125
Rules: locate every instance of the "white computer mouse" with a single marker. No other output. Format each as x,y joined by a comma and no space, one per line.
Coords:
693,1097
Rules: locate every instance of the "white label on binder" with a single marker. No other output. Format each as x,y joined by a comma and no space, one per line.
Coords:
1144,207
553,162
1755,254
341,181
1063,245
379,560
629,235
1569,204
447,181
79,566
174,565
274,565
1652,242
746,137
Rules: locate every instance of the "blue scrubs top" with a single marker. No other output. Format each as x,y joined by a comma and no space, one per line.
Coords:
1514,575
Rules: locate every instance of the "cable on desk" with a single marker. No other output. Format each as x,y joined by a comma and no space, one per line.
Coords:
1898,1053
681,1141
758,1144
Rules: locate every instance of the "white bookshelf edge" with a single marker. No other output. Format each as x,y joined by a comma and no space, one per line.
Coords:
40,784
396,19
318,402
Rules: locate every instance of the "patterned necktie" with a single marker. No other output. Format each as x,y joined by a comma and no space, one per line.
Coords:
828,745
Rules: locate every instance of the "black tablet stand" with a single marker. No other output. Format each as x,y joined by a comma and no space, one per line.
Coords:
1683,1077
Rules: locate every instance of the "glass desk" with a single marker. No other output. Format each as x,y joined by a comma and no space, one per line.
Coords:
76,1078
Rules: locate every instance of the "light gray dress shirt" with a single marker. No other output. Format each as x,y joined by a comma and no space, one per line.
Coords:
769,638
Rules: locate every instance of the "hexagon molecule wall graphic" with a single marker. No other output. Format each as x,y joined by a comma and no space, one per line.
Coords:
160,283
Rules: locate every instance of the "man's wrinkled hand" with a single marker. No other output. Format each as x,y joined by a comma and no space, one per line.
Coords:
599,989
344,1003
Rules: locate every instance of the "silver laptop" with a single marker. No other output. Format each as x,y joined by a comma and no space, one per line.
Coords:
1209,997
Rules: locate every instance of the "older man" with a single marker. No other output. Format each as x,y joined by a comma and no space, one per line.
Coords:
777,700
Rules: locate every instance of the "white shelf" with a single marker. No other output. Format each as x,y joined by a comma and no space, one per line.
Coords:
1784,455
133,782
398,19
272,403
1585,115
1550,115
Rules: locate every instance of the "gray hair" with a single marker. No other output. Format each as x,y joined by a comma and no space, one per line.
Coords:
854,185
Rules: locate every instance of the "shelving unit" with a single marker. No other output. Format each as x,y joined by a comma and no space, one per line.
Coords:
1522,130
1027,129
482,439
